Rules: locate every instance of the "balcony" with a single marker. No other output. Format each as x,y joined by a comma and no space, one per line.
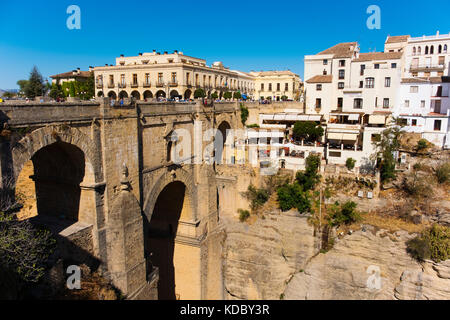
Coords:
173,84
134,85
428,67
146,84
160,84
99,85
111,85
122,85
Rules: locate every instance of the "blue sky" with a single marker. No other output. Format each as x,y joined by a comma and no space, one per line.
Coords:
246,35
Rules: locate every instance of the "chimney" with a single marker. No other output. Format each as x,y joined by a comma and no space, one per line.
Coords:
121,55
106,64
140,53
176,51
165,52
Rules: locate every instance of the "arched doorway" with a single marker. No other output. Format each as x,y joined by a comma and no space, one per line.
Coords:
136,95
112,95
187,94
160,94
176,261
219,141
100,94
173,94
123,95
148,94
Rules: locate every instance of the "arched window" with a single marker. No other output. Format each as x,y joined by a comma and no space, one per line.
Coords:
432,50
426,50
440,49
419,50
445,48
414,51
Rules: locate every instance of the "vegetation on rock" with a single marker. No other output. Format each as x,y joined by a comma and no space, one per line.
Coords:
434,244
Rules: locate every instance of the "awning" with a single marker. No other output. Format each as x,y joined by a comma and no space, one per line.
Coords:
279,117
292,117
266,116
314,118
377,119
353,117
335,136
349,136
265,134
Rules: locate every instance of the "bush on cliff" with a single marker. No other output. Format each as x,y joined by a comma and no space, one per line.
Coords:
433,244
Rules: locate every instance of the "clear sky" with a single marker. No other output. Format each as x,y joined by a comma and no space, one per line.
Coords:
246,35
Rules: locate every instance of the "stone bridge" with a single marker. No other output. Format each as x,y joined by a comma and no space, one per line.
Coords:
104,174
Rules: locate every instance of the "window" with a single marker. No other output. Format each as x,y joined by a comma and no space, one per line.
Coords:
318,87
147,78
358,103
437,125
427,74
134,78
432,50
445,48
340,103
426,50
325,72
122,79
278,87
160,78
111,80
270,87
419,50
414,51
414,89
440,49
370,83
422,104
442,60
325,62
286,87
414,122
386,103
377,66
174,77
361,84
196,79
406,103
262,86
318,103
341,74
340,85
363,67
341,63
387,82
415,74
393,65
188,78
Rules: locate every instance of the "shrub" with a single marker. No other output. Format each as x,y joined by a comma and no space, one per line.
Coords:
293,196
442,172
433,244
237,95
284,98
307,130
422,144
244,113
199,93
350,163
214,95
253,125
309,178
227,95
24,250
343,214
243,215
257,197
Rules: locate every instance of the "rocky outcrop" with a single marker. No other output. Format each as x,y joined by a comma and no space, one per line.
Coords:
370,264
260,258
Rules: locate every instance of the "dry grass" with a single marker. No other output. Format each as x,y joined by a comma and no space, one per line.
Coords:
93,287
26,193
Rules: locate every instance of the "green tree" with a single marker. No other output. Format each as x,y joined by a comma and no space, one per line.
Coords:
293,196
56,91
227,95
422,144
214,95
350,163
35,86
343,214
9,95
237,95
389,143
284,98
310,177
433,243
257,197
307,130
199,93
22,85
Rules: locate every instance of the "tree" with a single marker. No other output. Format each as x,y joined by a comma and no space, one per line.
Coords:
284,98
227,95
389,143
310,177
35,86
293,196
307,130
56,91
214,95
9,95
237,95
421,145
199,93
343,214
350,163
22,84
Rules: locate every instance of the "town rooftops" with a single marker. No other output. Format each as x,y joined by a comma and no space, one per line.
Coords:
397,39
321,79
371,56
341,50
273,73
72,74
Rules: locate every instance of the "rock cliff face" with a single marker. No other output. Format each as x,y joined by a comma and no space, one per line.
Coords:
370,265
260,258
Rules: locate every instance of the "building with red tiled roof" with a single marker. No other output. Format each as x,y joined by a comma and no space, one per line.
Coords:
74,75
